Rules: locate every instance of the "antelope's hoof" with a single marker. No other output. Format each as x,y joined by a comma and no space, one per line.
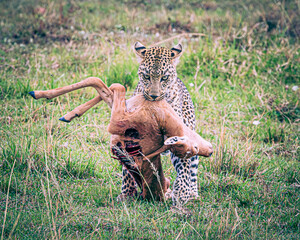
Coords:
32,94
64,120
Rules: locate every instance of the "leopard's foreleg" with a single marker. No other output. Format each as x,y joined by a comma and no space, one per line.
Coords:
181,188
193,176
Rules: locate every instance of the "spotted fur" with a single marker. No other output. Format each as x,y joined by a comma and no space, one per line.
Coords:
158,80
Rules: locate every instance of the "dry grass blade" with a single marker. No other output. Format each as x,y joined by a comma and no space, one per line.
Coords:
7,197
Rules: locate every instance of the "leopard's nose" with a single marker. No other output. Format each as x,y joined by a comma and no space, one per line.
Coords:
153,96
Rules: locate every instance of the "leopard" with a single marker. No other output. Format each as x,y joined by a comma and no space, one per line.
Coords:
158,80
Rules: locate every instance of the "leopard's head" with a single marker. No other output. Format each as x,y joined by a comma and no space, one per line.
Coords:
157,70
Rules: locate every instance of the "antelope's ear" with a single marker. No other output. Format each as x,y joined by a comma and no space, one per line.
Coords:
140,50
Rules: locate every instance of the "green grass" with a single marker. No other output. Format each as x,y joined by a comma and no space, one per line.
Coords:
58,180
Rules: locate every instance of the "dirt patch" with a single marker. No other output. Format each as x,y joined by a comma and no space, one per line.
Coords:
282,19
170,5
171,26
42,24
205,5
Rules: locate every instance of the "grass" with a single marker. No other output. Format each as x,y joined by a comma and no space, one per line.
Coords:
58,180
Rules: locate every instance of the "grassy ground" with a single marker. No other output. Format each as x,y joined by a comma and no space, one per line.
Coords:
57,180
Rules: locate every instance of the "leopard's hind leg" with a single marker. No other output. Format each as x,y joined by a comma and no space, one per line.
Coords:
129,186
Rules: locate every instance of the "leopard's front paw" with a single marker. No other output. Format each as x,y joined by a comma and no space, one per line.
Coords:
127,197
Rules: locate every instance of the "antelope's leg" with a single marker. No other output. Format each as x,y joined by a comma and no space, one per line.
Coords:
158,151
119,119
80,110
105,93
118,99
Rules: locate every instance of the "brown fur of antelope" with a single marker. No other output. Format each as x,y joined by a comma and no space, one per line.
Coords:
151,123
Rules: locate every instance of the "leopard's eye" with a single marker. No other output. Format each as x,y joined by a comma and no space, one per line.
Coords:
146,76
164,78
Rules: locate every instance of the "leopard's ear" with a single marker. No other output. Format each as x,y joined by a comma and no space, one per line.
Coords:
140,50
176,52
